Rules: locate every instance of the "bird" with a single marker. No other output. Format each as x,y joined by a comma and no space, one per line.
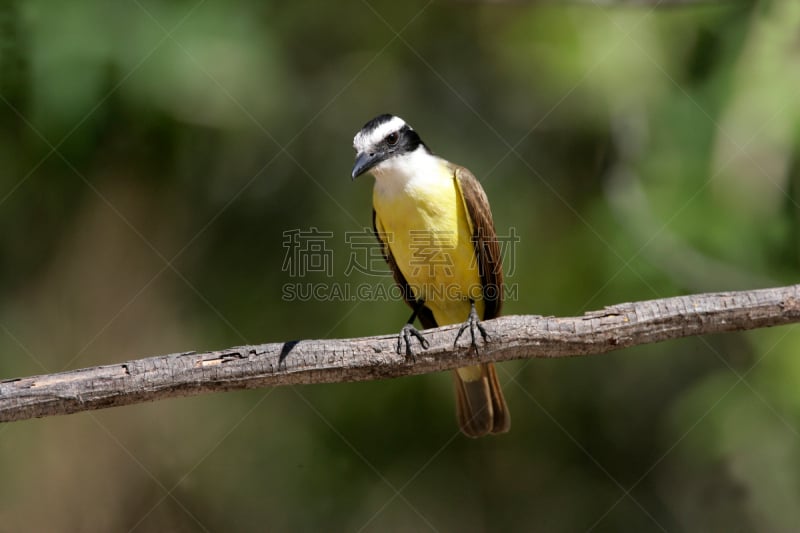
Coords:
434,224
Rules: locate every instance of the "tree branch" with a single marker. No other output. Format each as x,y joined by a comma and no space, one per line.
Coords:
368,358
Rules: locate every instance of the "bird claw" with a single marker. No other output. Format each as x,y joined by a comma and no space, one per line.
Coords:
473,323
405,338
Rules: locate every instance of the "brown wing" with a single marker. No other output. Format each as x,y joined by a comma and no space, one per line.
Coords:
484,239
425,315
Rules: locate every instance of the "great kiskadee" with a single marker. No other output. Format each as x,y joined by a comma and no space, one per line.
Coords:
433,220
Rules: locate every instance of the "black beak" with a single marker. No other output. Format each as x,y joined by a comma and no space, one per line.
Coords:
365,161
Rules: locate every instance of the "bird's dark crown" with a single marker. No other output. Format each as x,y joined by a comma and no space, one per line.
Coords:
374,135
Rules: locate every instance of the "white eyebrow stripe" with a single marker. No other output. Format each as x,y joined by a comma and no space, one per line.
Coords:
365,140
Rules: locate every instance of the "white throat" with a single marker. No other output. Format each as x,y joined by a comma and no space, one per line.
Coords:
399,174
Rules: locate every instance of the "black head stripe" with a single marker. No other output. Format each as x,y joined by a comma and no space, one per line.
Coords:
409,140
393,143
377,121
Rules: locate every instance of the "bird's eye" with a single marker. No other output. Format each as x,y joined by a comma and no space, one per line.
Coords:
392,138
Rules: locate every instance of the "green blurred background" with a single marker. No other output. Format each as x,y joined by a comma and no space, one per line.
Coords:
153,155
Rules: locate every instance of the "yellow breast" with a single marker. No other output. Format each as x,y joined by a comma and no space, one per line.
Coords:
424,223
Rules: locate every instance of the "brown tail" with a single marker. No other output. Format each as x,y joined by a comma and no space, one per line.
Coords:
480,406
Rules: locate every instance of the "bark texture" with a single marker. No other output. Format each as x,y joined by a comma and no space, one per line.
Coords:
367,358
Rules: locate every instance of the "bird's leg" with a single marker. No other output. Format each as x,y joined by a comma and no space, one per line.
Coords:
473,323
409,330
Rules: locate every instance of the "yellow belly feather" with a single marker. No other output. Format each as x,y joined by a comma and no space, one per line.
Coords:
429,236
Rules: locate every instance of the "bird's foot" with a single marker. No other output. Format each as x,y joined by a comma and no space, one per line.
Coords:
404,337
473,323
